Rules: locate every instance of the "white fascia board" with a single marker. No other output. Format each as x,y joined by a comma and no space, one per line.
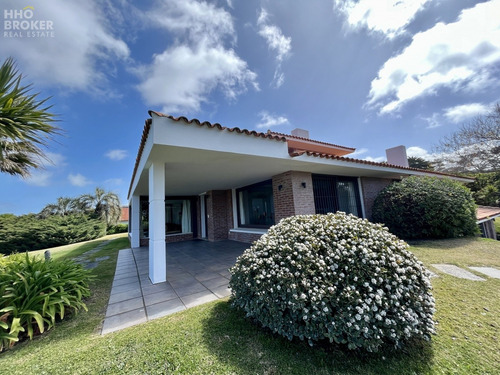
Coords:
492,217
177,133
148,146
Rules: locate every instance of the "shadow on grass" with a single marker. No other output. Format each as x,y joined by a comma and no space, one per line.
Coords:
250,349
447,243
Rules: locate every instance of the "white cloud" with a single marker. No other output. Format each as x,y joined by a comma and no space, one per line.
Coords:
277,42
434,121
113,181
192,73
39,178
193,20
419,152
116,154
42,177
378,159
78,179
198,63
460,56
460,113
268,120
76,57
389,17
357,153
457,114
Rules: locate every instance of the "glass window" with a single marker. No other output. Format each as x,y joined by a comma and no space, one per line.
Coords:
144,217
336,193
255,205
347,193
173,217
177,216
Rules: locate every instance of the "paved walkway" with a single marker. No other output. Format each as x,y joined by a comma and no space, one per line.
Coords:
197,272
453,270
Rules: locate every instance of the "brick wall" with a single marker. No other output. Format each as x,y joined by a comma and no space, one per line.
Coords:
219,218
171,238
179,237
229,209
283,196
244,237
371,187
290,197
303,197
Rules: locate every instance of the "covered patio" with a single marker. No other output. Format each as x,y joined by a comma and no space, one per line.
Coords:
197,272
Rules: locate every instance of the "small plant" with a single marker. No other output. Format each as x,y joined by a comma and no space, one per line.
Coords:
34,293
334,277
425,207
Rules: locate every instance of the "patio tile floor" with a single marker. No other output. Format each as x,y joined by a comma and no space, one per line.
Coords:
197,272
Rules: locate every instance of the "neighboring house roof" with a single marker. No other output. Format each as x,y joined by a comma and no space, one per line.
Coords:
485,213
297,146
124,213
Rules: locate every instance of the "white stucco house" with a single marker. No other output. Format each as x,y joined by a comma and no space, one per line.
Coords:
197,180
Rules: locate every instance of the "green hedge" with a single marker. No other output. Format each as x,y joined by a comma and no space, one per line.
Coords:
425,207
34,293
118,228
29,232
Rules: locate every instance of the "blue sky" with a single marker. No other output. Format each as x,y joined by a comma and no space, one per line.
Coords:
364,74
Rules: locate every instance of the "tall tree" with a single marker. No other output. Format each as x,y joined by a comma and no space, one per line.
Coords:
25,124
474,147
63,207
103,203
420,163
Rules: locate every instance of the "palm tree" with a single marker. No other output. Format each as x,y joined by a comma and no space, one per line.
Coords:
25,124
105,205
63,207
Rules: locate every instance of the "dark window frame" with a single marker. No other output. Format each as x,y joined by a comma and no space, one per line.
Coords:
144,204
238,210
332,181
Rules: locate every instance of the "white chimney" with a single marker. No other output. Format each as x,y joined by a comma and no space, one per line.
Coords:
397,156
302,133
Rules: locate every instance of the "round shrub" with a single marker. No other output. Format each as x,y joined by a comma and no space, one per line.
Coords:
334,277
425,207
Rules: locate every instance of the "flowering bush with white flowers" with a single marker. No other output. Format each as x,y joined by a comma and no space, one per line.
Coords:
334,277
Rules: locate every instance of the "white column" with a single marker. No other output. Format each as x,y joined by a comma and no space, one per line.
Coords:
157,248
135,221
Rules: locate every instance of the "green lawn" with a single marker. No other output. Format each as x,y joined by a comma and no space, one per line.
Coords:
215,339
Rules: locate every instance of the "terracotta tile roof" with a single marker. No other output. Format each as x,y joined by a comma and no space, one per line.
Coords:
124,213
276,136
367,162
149,121
145,133
351,149
487,212
271,135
